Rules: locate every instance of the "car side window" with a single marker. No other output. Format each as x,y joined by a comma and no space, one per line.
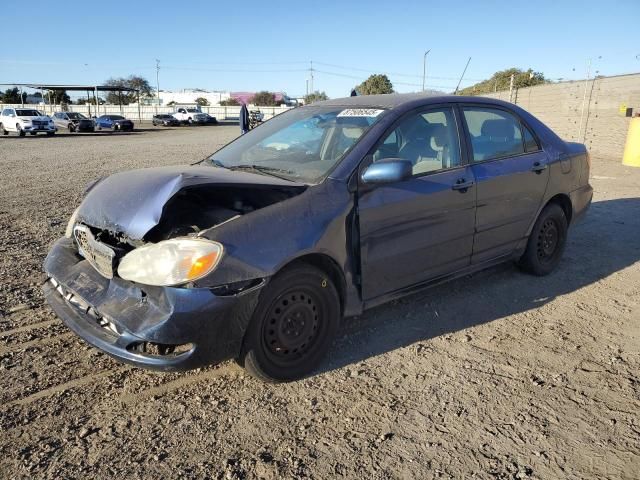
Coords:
494,133
429,140
530,144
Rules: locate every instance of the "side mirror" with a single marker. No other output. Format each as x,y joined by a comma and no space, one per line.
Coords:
388,170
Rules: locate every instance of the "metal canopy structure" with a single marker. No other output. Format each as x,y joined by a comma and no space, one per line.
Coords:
90,89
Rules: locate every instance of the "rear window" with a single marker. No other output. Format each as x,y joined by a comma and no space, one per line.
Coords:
494,133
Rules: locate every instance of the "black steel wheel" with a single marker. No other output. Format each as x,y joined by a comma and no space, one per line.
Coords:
292,326
546,242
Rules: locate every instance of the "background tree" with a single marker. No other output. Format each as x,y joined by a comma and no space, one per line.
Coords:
375,84
132,81
265,99
315,97
57,96
229,102
203,102
11,95
171,103
501,80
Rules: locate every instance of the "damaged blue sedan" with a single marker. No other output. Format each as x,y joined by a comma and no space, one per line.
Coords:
257,252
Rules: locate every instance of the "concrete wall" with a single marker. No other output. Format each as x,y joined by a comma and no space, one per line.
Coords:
148,111
560,106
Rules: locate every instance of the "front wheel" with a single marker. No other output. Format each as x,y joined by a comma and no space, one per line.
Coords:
292,326
546,242
71,128
19,131
3,130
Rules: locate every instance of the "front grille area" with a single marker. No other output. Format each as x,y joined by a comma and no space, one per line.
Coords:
110,328
99,255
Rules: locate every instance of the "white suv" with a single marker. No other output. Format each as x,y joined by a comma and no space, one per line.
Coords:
25,120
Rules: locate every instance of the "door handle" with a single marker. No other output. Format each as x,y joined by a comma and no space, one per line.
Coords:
462,185
538,168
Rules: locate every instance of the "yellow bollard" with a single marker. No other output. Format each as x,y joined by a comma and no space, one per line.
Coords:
631,155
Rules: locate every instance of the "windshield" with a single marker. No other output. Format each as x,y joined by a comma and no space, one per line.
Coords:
27,113
75,116
302,144
193,110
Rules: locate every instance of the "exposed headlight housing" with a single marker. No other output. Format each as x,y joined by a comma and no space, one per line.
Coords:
171,262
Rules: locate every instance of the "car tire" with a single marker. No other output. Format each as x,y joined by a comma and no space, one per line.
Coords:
71,128
292,326
19,131
50,134
190,121
33,134
3,130
547,241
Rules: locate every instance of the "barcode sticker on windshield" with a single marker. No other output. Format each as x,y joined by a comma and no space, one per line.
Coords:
360,112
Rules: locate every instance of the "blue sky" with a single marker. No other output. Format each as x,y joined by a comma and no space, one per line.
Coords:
257,45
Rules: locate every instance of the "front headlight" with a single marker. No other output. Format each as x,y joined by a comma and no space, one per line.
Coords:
72,222
171,262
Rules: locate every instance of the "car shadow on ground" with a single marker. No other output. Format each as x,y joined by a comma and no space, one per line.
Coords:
97,133
605,242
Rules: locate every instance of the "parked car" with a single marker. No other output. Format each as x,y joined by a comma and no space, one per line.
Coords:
114,123
190,115
258,251
25,120
73,121
165,119
210,119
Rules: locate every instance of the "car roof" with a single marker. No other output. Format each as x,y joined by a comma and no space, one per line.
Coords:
394,100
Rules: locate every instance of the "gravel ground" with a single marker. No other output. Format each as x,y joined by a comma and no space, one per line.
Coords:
498,374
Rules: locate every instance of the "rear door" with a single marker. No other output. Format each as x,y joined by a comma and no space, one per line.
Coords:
511,172
423,227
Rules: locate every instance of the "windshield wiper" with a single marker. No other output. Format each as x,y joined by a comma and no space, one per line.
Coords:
273,171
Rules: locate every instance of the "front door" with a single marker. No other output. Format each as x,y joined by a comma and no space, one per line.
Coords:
423,227
511,173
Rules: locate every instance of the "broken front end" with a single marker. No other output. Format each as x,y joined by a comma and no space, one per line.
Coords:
135,275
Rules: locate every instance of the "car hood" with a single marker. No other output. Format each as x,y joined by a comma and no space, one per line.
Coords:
40,118
132,202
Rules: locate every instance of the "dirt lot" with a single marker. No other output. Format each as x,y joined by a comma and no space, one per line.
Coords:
498,374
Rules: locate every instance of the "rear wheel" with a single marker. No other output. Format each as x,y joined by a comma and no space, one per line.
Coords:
292,326
546,242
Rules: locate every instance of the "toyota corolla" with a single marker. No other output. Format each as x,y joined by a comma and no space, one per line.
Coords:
257,252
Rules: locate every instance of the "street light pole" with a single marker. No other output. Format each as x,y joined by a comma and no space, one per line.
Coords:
424,67
157,84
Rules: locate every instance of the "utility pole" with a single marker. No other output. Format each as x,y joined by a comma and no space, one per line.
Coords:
311,71
307,86
157,84
462,76
511,86
584,98
424,67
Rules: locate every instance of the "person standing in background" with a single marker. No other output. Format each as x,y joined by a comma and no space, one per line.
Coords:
244,119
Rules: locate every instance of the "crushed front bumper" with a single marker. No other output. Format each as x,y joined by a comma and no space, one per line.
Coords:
161,328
